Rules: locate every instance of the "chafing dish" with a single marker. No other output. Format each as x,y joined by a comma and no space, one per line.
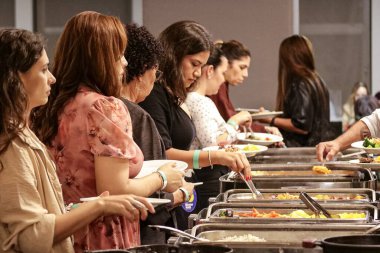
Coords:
301,175
339,195
278,237
211,215
295,155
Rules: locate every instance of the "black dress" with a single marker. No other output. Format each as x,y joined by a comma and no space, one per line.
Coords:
303,106
176,130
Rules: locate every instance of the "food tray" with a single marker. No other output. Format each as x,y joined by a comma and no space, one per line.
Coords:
214,210
345,195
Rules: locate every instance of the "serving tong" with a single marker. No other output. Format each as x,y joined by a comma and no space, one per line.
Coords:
313,205
256,193
177,232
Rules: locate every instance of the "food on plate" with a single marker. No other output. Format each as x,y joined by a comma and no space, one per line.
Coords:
371,142
321,170
251,147
242,238
369,159
230,148
258,138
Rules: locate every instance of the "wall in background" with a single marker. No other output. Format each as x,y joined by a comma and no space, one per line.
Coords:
260,25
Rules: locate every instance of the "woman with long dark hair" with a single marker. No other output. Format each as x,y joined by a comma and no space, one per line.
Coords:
302,95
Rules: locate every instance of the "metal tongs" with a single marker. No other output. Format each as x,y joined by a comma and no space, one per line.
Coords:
177,232
252,187
313,205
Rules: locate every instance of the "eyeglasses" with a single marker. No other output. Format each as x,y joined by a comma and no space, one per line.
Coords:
158,74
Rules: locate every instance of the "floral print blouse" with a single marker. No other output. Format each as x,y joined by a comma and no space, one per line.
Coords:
95,125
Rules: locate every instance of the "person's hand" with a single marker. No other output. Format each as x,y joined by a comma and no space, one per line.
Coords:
235,161
130,206
173,175
327,149
273,130
242,118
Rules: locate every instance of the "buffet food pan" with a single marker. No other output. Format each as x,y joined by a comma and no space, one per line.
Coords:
358,213
338,195
295,155
272,235
274,176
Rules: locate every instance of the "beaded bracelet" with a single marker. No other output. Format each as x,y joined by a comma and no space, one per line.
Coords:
186,193
196,159
164,179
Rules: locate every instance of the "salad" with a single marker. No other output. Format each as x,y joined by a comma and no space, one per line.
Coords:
371,142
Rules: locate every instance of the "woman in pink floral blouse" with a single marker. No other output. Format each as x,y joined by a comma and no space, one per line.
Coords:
89,131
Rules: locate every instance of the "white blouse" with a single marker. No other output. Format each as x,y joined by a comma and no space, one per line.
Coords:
208,122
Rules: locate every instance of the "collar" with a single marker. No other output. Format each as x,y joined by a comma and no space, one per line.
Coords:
27,136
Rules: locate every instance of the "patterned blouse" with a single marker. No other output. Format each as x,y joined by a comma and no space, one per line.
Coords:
95,125
208,122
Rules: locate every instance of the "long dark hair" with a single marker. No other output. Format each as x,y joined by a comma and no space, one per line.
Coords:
19,51
179,40
87,53
296,61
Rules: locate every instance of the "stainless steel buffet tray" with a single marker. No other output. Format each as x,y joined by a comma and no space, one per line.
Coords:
301,175
295,155
274,234
210,215
338,195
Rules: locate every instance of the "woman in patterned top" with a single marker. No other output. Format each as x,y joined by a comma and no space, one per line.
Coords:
89,131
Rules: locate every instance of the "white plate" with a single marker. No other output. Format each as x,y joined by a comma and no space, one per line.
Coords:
359,144
365,165
240,147
262,136
265,114
151,166
156,202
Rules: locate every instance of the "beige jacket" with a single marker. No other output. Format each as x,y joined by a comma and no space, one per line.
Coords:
30,198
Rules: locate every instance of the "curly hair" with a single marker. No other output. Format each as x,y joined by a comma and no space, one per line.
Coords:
87,54
19,50
143,51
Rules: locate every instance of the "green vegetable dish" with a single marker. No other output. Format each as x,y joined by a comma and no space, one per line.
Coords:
371,143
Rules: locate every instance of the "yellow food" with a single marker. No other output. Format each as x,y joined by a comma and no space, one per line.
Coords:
251,147
321,170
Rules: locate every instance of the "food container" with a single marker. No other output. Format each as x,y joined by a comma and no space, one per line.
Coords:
295,155
213,213
201,248
334,195
276,176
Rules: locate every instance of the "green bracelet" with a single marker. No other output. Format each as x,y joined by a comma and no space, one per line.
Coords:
196,159
232,123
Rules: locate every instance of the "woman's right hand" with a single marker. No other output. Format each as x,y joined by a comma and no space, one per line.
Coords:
242,118
173,175
235,161
127,205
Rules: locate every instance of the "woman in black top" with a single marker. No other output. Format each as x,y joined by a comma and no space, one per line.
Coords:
302,96
187,46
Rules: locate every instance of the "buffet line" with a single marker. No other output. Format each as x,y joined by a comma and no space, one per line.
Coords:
280,220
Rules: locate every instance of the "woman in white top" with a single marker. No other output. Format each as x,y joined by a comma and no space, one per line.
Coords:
211,129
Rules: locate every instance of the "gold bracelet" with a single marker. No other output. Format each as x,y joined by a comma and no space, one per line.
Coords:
209,159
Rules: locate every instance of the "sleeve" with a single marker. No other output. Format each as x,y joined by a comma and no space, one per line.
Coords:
145,133
109,129
25,226
204,121
373,123
157,104
301,107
